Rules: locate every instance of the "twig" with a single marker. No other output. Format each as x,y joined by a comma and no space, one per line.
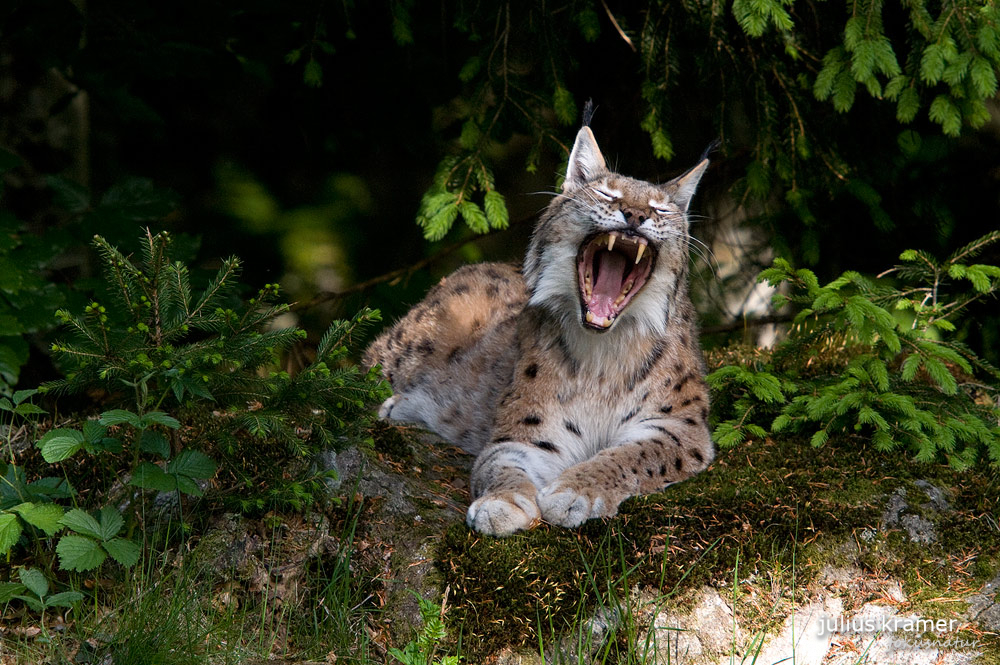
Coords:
618,27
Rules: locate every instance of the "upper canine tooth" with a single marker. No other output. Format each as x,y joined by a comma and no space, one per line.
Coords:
639,251
611,241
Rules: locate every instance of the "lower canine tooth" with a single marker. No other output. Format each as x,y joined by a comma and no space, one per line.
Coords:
590,317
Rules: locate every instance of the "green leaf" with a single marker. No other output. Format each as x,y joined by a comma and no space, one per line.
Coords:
9,591
984,78
932,64
941,375
496,210
160,418
29,409
944,112
193,464
155,443
727,435
663,148
150,476
60,444
64,599
819,438
34,581
187,485
79,553
125,552
111,522
474,216
35,604
10,531
44,516
21,395
81,522
120,417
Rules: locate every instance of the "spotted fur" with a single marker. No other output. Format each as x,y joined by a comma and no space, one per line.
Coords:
568,414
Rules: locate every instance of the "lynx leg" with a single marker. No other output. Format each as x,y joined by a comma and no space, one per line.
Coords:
596,487
505,480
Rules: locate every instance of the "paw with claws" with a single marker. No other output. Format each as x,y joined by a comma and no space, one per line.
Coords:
502,513
569,504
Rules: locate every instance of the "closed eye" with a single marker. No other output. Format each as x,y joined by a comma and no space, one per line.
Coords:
662,212
607,196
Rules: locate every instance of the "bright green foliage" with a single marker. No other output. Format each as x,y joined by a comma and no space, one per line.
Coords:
423,650
168,343
33,580
456,183
951,54
27,508
93,539
180,474
871,358
171,346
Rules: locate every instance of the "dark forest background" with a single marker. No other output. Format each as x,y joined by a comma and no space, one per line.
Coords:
303,136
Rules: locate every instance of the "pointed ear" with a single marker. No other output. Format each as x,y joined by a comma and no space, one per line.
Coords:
585,162
681,189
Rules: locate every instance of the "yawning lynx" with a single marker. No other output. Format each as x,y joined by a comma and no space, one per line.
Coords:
577,381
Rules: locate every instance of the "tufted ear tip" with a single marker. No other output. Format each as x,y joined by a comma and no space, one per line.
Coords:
585,161
682,188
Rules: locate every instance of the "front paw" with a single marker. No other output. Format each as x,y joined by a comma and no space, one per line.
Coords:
385,411
502,514
565,505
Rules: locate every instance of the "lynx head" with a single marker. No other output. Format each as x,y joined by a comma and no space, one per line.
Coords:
611,251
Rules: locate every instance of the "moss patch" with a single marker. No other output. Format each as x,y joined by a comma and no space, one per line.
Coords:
783,508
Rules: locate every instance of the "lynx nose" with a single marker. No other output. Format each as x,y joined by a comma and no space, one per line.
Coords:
634,218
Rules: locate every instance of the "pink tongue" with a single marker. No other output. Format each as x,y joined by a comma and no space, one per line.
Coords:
610,277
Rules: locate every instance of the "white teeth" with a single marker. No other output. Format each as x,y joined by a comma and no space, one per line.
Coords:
639,251
611,241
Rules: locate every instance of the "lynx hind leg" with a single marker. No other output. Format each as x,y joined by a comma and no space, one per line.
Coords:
450,320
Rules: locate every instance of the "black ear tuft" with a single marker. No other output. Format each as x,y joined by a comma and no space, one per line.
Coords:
588,112
712,147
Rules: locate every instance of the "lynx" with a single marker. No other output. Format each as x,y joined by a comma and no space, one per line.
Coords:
576,380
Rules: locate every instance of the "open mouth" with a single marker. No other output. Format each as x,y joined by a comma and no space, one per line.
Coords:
611,269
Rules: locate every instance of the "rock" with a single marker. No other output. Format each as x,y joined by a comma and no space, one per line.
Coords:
984,606
877,634
408,502
707,630
918,528
805,636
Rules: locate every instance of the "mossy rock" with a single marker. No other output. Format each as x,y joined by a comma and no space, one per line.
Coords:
771,510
